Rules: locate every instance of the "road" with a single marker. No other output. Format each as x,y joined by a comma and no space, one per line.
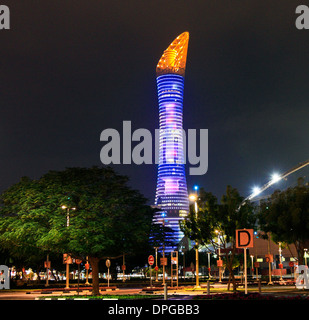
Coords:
33,294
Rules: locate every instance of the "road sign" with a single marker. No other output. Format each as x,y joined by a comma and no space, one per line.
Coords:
291,264
123,267
174,260
163,261
156,268
87,266
47,264
269,258
244,238
220,263
67,259
78,261
108,263
150,260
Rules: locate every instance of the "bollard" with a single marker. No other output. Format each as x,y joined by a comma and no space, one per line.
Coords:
165,291
208,287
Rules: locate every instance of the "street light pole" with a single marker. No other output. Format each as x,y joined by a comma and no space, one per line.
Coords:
163,214
163,254
252,266
196,253
67,286
209,274
194,198
156,248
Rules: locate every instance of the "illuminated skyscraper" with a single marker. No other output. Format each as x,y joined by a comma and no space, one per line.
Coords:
171,192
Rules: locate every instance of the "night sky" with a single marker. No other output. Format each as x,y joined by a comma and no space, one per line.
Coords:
70,69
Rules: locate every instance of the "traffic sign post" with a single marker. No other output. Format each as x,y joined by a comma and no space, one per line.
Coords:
47,266
78,262
269,258
244,239
87,271
150,262
67,259
174,267
245,263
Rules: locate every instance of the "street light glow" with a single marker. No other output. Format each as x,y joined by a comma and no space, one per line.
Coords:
192,197
256,191
275,178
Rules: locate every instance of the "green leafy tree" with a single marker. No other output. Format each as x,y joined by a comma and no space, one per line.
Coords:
21,223
215,224
81,211
285,216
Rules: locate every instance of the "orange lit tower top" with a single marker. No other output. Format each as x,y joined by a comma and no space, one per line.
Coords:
174,57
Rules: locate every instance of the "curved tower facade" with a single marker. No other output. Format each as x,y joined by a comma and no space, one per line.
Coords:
171,192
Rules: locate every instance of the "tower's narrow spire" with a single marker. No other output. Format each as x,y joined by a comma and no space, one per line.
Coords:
174,57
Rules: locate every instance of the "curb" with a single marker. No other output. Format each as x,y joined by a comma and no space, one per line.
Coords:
56,298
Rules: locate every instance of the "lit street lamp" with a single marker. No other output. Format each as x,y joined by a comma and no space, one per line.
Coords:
67,264
275,178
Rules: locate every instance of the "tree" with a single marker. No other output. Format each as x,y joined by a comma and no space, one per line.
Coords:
285,215
216,224
109,218
21,223
233,215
